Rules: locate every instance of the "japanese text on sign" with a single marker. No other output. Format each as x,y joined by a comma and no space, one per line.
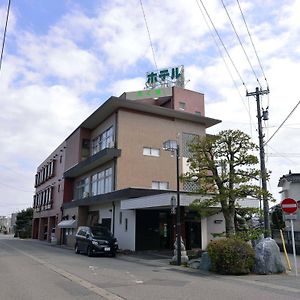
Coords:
166,78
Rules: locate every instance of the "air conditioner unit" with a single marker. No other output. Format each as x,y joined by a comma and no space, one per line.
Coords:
85,194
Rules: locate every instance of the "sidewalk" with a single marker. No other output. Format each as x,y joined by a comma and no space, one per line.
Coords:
287,281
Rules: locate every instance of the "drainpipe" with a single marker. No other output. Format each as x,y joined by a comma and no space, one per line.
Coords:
113,217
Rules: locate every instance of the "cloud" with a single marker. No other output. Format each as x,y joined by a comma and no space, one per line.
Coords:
134,84
51,80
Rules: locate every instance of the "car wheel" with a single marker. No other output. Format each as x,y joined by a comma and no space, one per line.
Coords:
76,249
89,251
113,254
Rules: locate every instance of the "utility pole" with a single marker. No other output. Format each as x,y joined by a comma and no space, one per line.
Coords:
263,171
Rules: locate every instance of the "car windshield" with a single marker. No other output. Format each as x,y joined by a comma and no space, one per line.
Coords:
101,232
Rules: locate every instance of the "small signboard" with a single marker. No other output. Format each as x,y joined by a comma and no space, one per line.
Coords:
290,217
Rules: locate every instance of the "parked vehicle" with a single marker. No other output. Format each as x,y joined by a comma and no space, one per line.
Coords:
95,240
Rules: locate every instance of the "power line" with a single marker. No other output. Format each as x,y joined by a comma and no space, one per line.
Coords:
218,35
284,154
226,65
281,155
249,34
149,35
15,188
282,123
241,44
4,34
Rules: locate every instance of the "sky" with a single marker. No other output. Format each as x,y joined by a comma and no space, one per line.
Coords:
63,59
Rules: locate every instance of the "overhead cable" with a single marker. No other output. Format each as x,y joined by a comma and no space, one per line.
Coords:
15,188
221,41
149,35
280,155
4,34
241,44
226,65
249,34
282,123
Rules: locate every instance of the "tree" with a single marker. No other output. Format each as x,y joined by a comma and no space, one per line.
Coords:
24,223
277,218
223,167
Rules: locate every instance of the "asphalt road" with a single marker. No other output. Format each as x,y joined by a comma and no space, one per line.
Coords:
32,270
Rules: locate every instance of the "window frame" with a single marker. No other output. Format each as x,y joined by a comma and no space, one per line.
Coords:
151,151
159,185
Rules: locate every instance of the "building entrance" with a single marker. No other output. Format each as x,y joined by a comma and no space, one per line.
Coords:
153,230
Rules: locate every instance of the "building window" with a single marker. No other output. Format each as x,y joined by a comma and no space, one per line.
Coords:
120,218
198,113
160,185
182,105
104,140
102,182
82,188
126,224
60,159
151,151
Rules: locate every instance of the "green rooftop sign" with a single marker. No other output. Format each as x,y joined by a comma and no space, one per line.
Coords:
167,77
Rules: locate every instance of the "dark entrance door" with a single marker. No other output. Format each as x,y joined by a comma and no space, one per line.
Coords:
193,234
107,223
153,230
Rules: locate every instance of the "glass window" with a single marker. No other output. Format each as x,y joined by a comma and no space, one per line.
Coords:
160,185
82,188
95,145
102,182
106,139
151,151
94,184
108,180
103,141
182,105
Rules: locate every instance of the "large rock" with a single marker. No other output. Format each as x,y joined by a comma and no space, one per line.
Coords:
267,257
194,263
205,262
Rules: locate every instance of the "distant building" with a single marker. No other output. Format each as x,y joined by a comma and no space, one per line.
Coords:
290,188
5,224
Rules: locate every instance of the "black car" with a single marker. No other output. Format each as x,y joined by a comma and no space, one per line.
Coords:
95,240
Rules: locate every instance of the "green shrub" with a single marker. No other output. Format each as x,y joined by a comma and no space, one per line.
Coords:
231,256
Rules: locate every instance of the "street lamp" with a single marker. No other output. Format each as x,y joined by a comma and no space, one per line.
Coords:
172,145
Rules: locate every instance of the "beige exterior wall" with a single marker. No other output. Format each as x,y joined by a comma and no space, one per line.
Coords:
137,130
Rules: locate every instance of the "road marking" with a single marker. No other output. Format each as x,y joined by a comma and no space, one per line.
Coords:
88,285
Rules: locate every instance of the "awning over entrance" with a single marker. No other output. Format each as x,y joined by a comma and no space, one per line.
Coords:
164,201
67,224
157,201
